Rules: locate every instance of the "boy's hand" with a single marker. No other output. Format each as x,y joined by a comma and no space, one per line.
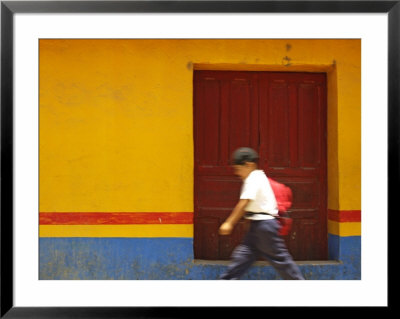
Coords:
237,213
226,229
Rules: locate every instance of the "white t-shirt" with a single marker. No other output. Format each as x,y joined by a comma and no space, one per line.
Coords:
257,189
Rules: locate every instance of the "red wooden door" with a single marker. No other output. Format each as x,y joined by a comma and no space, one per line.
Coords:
283,117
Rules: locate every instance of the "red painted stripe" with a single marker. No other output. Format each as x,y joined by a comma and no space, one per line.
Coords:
344,215
77,218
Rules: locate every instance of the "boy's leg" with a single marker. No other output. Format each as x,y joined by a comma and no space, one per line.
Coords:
242,258
273,247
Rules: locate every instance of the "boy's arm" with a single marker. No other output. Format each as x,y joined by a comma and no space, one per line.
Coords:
237,213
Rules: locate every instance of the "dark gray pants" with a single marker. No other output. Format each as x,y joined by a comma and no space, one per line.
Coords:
263,240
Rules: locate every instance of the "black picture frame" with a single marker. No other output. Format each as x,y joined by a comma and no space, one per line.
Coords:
9,8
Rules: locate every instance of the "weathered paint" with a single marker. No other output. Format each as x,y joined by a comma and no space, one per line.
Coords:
101,100
116,135
162,259
78,218
344,239
344,223
344,215
348,251
169,230
344,229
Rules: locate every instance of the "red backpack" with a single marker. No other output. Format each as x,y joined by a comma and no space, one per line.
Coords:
284,197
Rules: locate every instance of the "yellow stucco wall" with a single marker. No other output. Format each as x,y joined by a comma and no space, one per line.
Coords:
116,117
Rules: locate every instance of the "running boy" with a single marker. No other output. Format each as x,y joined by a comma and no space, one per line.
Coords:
257,203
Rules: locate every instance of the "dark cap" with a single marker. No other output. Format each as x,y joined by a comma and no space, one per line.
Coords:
244,154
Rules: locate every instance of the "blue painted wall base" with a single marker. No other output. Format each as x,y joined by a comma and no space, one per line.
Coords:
170,259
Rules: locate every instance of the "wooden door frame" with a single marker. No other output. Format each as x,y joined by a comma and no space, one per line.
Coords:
331,121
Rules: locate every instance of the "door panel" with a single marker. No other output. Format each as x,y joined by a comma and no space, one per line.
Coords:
209,98
217,191
277,124
309,126
283,117
293,118
231,105
206,229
